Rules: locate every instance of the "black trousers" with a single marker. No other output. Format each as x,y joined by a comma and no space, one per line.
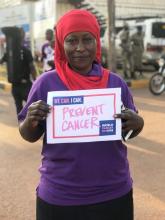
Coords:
116,209
20,93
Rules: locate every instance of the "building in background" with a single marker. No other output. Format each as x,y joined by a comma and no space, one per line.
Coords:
35,16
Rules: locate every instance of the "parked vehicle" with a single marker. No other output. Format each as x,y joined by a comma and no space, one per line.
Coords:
154,39
157,81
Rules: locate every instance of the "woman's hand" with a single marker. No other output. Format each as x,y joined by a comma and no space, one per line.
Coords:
130,121
29,128
37,112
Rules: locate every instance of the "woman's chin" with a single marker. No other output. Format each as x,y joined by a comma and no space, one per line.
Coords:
82,69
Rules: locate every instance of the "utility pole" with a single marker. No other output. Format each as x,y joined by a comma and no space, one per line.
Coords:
111,35
31,12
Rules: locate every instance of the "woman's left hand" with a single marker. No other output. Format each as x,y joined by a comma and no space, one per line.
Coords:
130,121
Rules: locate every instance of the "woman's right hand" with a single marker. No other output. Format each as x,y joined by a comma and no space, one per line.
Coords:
37,112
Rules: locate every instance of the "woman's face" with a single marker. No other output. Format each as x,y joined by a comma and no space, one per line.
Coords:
80,51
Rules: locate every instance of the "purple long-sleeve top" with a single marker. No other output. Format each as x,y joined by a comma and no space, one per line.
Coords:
81,173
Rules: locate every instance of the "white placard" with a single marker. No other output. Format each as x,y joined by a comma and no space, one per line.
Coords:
84,116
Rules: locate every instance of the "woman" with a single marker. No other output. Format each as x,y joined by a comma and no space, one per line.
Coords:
80,180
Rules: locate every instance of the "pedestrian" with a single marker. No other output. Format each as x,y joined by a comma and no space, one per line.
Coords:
22,84
47,49
138,49
50,57
127,53
87,181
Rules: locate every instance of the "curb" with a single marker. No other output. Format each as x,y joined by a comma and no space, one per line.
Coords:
137,84
5,86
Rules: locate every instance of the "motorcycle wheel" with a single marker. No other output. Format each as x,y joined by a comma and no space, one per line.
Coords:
157,84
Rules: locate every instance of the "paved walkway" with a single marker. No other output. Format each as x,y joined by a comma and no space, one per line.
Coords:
146,156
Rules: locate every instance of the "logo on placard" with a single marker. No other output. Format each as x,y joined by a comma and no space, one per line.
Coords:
68,100
107,127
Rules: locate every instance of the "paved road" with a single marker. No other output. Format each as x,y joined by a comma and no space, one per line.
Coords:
147,158
18,169
20,161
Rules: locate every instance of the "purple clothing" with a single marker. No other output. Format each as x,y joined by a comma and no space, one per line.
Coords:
47,55
81,173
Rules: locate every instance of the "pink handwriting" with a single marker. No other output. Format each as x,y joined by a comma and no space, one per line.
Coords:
79,124
81,111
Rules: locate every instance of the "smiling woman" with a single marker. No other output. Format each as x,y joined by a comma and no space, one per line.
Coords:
77,51
81,180
80,51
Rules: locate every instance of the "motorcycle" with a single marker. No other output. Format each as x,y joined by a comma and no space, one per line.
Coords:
157,81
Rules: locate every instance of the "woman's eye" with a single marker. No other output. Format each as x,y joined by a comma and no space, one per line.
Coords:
88,40
76,41
71,41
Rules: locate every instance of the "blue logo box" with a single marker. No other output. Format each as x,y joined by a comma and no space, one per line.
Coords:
107,127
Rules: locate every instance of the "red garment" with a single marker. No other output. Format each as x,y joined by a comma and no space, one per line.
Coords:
77,21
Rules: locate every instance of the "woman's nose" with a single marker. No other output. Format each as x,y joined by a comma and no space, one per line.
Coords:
80,46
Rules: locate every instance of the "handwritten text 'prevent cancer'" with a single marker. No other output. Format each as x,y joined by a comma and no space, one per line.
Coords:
81,117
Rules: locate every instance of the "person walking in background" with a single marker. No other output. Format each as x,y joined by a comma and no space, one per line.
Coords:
22,84
137,50
47,50
80,181
127,53
50,57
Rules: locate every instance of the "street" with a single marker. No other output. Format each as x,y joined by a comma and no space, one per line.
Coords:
20,161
